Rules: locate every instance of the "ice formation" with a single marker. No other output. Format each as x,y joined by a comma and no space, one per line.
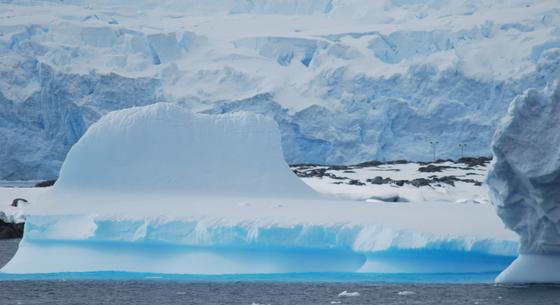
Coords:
164,148
160,189
346,81
525,183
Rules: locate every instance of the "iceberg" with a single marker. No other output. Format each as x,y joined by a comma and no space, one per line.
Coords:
524,182
163,190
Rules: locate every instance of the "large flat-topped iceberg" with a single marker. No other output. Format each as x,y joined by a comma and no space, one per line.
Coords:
159,189
525,183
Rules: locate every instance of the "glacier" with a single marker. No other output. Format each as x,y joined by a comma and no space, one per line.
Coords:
346,81
524,182
161,189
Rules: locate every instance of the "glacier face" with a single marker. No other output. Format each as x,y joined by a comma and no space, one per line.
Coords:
524,182
345,81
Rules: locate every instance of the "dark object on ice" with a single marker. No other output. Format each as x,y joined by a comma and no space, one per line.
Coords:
11,230
45,183
390,198
16,201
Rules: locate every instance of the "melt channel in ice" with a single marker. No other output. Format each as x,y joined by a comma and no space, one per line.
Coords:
524,182
159,189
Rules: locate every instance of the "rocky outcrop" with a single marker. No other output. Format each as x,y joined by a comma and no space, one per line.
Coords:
338,172
11,230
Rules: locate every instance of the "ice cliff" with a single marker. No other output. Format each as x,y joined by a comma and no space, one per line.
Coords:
524,181
160,189
346,81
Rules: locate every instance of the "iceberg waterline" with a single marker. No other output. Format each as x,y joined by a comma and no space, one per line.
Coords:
165,248
105,212
346,82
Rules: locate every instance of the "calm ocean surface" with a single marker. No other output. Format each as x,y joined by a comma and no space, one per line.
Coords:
134,288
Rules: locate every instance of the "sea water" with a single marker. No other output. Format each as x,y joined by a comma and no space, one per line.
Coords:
311,288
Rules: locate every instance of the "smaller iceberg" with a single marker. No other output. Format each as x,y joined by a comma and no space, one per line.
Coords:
158,189
345,293
524,182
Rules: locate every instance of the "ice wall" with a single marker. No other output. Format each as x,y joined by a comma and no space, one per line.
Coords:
346,81
524,181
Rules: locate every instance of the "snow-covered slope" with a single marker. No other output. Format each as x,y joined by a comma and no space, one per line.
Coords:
525,183
257,217
347,81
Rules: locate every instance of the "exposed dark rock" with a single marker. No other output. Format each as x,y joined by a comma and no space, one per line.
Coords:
307,173
11,230
45,183
420,182
450,180
432,168
316,172
379,180
338,167
428,167
356,182
397,162
369,164
333,176
304,165
475,161
447,179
